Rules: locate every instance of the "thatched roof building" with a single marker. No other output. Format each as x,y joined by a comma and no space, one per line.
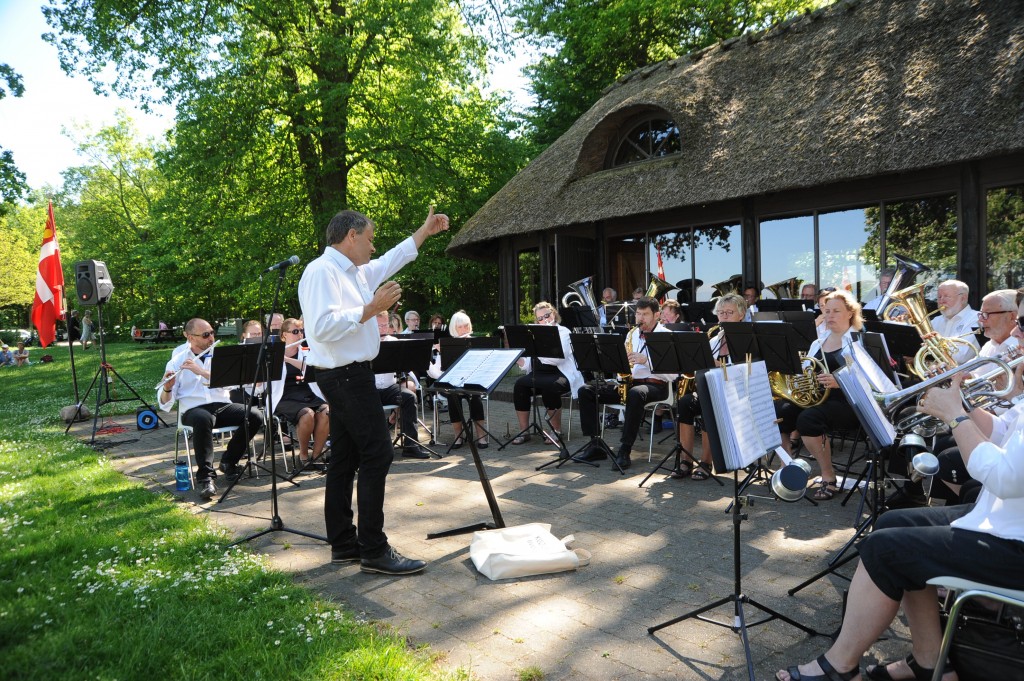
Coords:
862,102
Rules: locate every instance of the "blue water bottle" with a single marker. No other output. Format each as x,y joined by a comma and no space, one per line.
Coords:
181,479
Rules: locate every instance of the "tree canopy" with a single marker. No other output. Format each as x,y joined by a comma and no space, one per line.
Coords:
12,180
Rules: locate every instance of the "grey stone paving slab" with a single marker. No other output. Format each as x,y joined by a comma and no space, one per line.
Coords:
658,552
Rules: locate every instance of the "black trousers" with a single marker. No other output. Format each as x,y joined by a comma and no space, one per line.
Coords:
549,383
204,418
637,398
912,545
405,400
360,442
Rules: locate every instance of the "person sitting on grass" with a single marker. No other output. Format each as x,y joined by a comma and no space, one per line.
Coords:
6,357
21,355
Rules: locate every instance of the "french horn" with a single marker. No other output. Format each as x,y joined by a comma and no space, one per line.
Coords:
801,389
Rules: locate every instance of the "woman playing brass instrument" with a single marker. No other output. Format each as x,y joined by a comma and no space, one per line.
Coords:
729,308
842,319
551,378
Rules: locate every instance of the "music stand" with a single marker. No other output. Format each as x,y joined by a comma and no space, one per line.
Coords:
737,597
803,323
536,341
477,372
592,361
678,353
401,355
742,341
620,313
238,366
452,350
700,314
579,317
780,305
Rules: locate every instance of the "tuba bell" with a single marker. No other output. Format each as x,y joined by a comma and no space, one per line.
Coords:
730,285
658,288
788,288
583,290
902,279
937,352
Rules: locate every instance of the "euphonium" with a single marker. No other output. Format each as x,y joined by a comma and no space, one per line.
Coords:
789,288
938,351
801,389
730,285
626,380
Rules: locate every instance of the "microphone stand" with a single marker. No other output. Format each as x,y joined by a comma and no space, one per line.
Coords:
276,524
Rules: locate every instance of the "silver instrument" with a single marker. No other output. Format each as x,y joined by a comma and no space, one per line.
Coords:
194,357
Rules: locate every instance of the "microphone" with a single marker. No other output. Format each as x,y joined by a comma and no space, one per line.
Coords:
294,260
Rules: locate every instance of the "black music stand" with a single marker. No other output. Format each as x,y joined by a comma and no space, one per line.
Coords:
700,314
678,353
857,389
591,361
477,372
402,355
803,323
451,351
742,341
579,317
536,341
620,313
780,305
235,366
737,597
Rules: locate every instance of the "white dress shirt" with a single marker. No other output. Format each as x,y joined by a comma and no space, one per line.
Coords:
566,365
333,292
963,322
994,349
643,371
190,390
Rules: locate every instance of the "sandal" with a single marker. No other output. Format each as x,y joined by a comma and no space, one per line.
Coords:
826,490
829,673
699,473
482,443
880,672
522,439
683,471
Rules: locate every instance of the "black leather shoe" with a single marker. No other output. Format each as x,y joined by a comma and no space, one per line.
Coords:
622,458
900,499
207,489
348,554
594,454
231,470
415,452
392,563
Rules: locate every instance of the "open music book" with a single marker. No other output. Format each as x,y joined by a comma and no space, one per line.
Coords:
744,413
478,370
856,386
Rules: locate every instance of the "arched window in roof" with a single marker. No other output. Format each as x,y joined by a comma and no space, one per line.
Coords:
650,138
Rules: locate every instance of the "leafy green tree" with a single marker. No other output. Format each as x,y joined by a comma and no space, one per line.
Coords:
21,232
587,44
12,180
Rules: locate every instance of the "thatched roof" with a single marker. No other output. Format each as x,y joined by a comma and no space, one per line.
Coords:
857,89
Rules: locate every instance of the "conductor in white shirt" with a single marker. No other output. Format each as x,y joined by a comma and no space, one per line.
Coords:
341,293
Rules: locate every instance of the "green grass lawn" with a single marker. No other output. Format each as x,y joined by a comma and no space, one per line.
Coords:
101,579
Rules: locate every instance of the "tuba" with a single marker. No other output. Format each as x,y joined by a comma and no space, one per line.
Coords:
801,389
730,285
583,290
658,288
788,288
903,278
937,352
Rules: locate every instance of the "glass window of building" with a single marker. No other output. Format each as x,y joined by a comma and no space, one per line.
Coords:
651,138
1004,248
924,230
847,253
711,254
787,249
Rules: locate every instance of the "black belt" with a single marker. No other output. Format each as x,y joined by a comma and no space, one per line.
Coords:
648,381
347,367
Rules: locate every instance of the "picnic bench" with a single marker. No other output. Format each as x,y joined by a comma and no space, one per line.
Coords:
155,336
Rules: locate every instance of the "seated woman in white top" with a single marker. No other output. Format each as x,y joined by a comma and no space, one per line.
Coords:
553,377
461,327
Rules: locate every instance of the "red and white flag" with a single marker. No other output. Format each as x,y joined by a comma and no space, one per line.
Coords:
661,269
48,305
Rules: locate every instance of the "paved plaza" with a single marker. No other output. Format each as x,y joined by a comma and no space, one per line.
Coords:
658,552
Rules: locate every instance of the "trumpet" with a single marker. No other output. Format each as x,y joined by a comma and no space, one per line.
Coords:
981,390
194,357
974,396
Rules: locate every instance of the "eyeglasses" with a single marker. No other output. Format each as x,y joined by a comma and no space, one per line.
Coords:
295,331
983,316
544,318
205,334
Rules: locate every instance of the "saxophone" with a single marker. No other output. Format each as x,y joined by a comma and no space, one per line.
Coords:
685,385
626,380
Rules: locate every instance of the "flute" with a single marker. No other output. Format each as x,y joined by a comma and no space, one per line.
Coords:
194,358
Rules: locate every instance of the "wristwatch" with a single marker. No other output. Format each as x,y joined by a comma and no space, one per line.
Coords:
957,421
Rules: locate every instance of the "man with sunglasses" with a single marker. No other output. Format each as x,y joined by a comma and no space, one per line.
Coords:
203,408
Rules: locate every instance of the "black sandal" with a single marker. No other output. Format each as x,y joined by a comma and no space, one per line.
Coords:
880,672
829,673
683,471
826,490
700,473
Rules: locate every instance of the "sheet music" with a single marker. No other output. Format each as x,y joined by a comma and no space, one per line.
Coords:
744,412
482,368
857,389
877,380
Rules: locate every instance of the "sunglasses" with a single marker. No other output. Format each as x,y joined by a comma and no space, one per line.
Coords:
544,318
205,334
983,316
295,331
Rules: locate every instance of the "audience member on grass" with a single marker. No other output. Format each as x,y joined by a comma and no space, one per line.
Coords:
21,355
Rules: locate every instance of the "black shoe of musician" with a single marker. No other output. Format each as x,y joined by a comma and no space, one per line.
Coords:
415,452
231,470
345,554
594,453
901,499
392,563
207,489
622,458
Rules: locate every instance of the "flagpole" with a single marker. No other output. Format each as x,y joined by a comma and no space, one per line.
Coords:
71,353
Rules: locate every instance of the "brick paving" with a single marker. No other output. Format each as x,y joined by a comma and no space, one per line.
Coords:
657,552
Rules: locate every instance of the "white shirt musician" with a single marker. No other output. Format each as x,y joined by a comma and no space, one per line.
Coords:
555,377
461,326
957,318
646,386
393,393
203,408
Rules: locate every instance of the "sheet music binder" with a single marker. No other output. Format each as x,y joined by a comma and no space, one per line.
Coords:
856,387
478,370
738,414
452,348
235,365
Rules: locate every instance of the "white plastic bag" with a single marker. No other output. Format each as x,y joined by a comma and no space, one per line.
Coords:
522,551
